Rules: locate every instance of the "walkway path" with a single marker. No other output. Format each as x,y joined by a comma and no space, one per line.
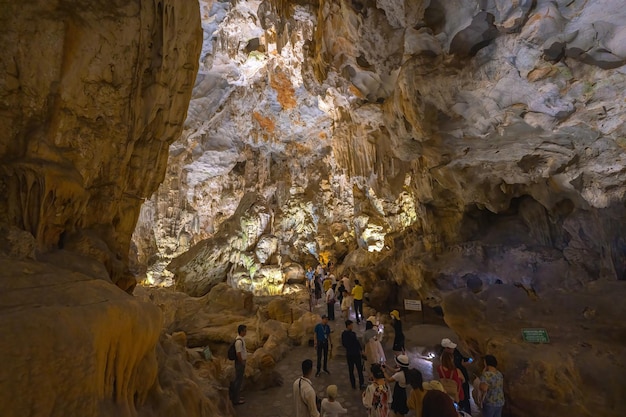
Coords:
278,401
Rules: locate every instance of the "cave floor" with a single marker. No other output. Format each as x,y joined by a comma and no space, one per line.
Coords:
422,336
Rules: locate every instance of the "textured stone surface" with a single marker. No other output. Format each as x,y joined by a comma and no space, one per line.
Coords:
90,100
87,347
91,96
425,146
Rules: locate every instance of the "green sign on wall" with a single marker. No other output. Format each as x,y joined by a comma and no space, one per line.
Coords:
535,335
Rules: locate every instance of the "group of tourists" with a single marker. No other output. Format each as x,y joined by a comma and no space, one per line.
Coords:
389,391
324,285
397,391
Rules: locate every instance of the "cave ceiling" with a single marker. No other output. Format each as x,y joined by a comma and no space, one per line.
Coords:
403,130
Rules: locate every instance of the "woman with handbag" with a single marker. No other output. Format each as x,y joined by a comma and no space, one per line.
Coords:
398,404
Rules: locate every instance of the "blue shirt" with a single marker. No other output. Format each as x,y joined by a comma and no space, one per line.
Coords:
322,331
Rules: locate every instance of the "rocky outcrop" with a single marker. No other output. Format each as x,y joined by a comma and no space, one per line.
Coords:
73,345
91,98
430,147
574,369
205,326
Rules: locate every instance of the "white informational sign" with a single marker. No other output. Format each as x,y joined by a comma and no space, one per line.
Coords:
414,305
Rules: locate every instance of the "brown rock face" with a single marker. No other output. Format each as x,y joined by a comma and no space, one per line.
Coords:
92,96
73,346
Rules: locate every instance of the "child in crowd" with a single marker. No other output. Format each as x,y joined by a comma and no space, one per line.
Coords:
330,406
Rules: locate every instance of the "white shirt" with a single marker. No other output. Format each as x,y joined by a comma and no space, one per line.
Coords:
330,294
332,409
400,378
347,284
304,398
240,347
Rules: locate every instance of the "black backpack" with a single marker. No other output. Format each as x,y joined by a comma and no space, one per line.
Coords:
232,352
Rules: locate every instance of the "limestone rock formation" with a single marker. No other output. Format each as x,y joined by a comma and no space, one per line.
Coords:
427,146
91,96
470,154
73,345
208,325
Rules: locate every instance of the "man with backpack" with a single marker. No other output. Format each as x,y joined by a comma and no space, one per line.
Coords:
240,356
304,397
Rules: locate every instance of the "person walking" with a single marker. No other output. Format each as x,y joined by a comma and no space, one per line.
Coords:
321,342
330,302
398,338
492,384
460,362
240,365
330,406
345,306
347,283
317,288
340,290
357,295
310,275
327,284
304,396
353,354
377,395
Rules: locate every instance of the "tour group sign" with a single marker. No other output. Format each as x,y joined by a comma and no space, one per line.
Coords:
535,335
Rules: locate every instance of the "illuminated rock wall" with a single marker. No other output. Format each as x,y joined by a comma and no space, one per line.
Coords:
90,100
425,145
91,96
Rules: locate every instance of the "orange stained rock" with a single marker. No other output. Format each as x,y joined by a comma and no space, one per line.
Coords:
265,122
286,93
354,90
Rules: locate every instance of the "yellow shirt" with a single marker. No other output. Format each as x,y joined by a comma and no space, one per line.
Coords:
357,292
415,401
327,284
